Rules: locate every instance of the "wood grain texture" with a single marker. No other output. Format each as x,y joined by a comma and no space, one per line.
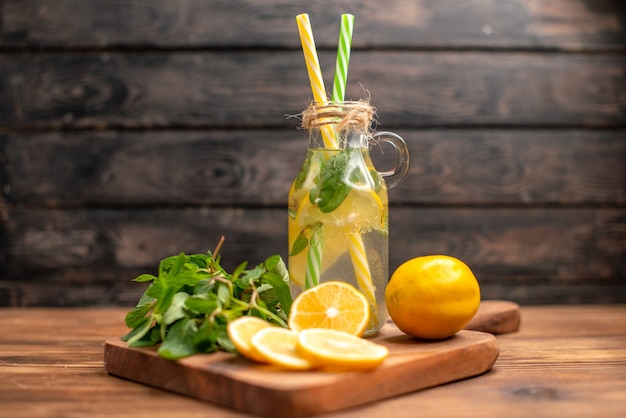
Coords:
496,317
564,360
132,130
521,254
213,89
562,24
219,168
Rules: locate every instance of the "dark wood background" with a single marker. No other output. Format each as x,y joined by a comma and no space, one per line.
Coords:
137,129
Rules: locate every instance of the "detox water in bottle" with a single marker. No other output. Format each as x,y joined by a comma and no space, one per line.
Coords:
338,206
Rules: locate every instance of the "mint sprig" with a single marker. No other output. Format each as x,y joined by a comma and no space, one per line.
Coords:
188,305
331,188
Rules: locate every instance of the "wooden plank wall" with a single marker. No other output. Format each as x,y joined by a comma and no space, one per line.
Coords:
133,130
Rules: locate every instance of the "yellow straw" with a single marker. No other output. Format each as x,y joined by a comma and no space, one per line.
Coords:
356,246
315,73
362,273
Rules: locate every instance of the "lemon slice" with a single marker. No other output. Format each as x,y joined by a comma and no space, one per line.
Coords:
339,350
332,305
241,330
277,346
362,209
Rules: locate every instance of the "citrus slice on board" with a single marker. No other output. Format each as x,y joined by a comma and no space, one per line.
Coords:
241,330
337,349
331,305
278,346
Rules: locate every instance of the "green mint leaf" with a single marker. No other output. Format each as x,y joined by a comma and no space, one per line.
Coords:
176,310
145,298
203,287
186,277
300,244
178,264
258,312
239,270
231,314
166,265
206,339
139,332
331,189
242,289
136,316
331,196
242,283
151,338
255,273
143,278
154,289
281,289
206,304
164,299
272,262
191,266
248,277
223,340
223,295
301,177
199,260
179,340
275,264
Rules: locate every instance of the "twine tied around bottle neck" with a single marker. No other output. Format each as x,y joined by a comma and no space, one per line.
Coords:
353,114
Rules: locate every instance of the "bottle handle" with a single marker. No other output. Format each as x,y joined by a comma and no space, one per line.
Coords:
393,176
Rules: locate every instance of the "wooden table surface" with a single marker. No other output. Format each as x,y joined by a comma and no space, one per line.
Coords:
564,361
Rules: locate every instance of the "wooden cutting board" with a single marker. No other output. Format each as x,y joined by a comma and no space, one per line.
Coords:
233,381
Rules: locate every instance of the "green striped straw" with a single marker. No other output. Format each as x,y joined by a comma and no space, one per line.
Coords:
314,257
343,58
361,267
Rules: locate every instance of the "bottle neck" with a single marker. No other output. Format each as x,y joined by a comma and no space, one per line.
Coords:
338,125
347,138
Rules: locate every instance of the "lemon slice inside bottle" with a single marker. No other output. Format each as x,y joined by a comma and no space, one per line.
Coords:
361,210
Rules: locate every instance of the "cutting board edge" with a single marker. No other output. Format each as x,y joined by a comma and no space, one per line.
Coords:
317,399
481,358
496,317
180,384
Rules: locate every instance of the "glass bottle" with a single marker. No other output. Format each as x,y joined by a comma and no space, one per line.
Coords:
338,205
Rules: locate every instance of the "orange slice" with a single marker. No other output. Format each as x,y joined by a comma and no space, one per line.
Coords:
278,346
331,305
241,330
336,349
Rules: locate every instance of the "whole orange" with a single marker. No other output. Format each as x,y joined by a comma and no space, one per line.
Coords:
432,297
